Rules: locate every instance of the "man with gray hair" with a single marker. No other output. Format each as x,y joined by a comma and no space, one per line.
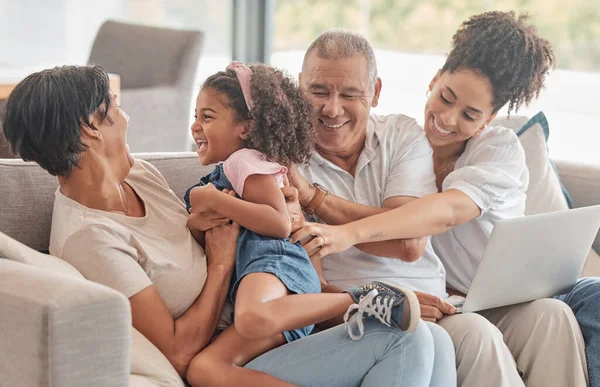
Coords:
365,164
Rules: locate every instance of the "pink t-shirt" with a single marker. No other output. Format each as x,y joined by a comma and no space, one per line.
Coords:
246,162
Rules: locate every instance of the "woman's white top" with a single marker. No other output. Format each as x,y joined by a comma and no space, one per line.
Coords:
493,173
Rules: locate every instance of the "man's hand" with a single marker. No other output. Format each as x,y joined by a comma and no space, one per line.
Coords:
433,308
201,198
305,189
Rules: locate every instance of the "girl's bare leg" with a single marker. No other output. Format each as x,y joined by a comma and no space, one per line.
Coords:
221,362
264,307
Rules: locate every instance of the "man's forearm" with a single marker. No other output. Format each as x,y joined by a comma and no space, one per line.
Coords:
335,211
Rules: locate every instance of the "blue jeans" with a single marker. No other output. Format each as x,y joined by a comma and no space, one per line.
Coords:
584,300
382,357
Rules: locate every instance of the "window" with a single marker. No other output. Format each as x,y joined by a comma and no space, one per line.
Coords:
411,38
40,34
70,26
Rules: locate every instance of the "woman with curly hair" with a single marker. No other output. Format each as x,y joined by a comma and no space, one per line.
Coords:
497,58
254,122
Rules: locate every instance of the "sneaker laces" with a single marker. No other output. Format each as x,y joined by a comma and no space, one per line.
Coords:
372,304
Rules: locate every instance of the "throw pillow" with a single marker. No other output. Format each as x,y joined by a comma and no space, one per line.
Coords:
545,192
16,251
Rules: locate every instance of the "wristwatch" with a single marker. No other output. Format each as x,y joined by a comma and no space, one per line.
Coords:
317,199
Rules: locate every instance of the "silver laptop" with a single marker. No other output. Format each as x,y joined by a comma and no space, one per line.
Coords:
532,257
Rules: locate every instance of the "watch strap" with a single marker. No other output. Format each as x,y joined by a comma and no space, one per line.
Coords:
316,200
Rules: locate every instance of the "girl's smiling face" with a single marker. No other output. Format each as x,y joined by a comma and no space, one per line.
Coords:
215,130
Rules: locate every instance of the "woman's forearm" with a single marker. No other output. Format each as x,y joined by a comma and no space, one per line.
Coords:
335,211
426,216
194,329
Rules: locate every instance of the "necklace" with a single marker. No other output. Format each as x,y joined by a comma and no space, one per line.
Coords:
124,199
441,175
448,168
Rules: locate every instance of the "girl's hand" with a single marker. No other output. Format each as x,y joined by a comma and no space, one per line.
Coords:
204,221
293,205
305,189
201,198
320,240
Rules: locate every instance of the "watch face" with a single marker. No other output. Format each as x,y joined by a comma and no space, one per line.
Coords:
322,188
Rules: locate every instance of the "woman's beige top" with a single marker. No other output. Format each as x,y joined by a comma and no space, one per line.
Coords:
129,254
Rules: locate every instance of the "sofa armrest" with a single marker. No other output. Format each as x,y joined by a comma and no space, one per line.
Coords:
582,181
61,331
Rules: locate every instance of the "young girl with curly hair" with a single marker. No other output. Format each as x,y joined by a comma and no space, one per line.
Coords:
255,121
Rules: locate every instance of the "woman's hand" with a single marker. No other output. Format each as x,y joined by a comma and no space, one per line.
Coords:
201,198
221,241
221,246
305,189
320,240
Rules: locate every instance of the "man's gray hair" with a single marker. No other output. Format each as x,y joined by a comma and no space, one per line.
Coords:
338,44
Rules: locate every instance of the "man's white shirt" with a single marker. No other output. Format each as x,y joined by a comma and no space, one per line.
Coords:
396,161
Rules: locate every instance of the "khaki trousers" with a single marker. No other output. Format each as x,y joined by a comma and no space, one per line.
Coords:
535,344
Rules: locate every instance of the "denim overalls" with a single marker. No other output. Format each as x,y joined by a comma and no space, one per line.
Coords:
259,254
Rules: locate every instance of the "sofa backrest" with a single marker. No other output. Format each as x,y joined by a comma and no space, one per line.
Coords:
27,193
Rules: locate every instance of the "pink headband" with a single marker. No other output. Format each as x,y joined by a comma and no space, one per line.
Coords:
243,74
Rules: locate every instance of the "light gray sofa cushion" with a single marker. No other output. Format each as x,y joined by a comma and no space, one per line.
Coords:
149,367
58,330
18,252
27,193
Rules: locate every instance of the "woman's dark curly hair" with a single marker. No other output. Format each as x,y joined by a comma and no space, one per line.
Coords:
282,125
507,51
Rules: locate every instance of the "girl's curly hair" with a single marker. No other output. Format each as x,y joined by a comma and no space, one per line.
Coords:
507,51
282,115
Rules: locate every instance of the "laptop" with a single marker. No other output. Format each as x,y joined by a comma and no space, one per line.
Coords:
531,257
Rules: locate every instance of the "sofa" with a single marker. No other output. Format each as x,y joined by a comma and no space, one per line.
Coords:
58,329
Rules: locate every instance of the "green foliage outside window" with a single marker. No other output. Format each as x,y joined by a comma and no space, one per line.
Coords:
427,26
